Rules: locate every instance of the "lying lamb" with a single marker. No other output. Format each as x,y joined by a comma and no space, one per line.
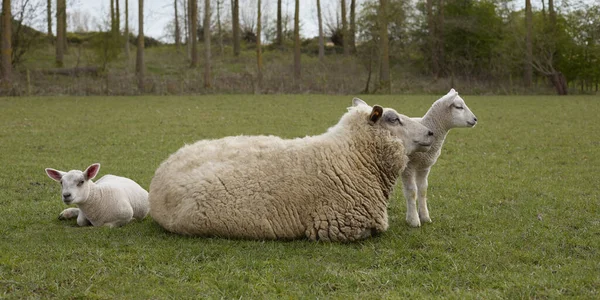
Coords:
332,187
111,201
446,113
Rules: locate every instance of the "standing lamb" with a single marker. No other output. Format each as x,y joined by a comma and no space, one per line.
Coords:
446,113
111,201
332,187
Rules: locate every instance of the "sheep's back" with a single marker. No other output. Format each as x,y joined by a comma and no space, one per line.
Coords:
132,192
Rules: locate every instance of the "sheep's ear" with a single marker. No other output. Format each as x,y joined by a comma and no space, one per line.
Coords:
55,174
358,101
376,113
91,171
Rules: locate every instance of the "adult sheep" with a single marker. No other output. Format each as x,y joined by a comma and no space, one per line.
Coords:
111,201
446,113
333,187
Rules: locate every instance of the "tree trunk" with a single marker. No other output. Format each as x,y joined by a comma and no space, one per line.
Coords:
384,71
258,48
193,7
207,66
127,29
560,82
439,38
352,31
6,42
528,75
49,19
177,31
117,19
235,15
112,16
60,32
297,68
139,62
431,39
345,35
219,28
279,38
321,36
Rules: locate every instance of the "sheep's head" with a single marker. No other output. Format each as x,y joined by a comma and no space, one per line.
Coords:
414,136
75,184
460,114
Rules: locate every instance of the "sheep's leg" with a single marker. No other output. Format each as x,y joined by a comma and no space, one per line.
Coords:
82,220
422,195
410,193
69,213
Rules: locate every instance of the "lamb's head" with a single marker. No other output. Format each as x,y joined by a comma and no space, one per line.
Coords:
75,184
414,136
459,114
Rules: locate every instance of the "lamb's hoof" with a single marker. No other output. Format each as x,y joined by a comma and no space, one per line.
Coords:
426,219
413,222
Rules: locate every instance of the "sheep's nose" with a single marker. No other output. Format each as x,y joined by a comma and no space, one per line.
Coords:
430,133
66,195
475,119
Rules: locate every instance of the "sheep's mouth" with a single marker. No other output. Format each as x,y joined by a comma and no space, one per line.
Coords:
424,144
471,123
67,201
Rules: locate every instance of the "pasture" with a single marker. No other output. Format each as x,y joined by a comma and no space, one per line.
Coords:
514,201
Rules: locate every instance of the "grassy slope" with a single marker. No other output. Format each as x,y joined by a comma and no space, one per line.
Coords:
514,202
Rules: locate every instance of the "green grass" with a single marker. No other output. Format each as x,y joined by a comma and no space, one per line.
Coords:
514,201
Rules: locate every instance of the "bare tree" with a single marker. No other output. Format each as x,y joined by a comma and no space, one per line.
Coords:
258,47
127,29
207,67
219,28
297,67
6,42
235,23
384,70
352,31
61,24
345,35
112,16
49,19
527,80
321,37
177,31
193,7
139,62
117,18
279,37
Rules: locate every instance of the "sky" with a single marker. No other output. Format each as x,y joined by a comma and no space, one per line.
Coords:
158,13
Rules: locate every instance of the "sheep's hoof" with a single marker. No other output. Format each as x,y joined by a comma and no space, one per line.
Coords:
426,219
413,222
68,213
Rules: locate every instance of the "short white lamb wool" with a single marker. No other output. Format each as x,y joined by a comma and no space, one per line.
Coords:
331,187
446,113
111,201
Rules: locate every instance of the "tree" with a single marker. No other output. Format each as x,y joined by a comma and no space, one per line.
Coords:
321,37
527,79
219,28
177,31
297,68
345,35
279,37
193,7
6,41
127,29
139,62
207,80
235,23
61,28
352,31
49,19
384,48
258,47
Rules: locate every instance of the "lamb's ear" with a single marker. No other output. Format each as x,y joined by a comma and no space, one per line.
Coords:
376,113
55,174
358,101
91,171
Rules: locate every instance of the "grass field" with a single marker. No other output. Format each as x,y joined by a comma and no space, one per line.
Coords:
515,204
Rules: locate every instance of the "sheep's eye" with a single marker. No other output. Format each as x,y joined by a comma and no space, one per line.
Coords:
458,107
399,122
80,183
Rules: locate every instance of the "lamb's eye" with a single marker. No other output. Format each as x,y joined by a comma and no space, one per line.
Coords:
80,183
399,122
458,107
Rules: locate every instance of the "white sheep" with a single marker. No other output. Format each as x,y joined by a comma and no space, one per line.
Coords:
333,187
111,201
446,113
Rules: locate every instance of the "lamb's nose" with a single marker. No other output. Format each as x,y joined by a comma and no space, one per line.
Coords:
66,195
430,133
475,119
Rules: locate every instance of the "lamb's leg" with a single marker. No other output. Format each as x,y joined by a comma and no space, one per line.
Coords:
69,213
409,187
82,220
422,195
